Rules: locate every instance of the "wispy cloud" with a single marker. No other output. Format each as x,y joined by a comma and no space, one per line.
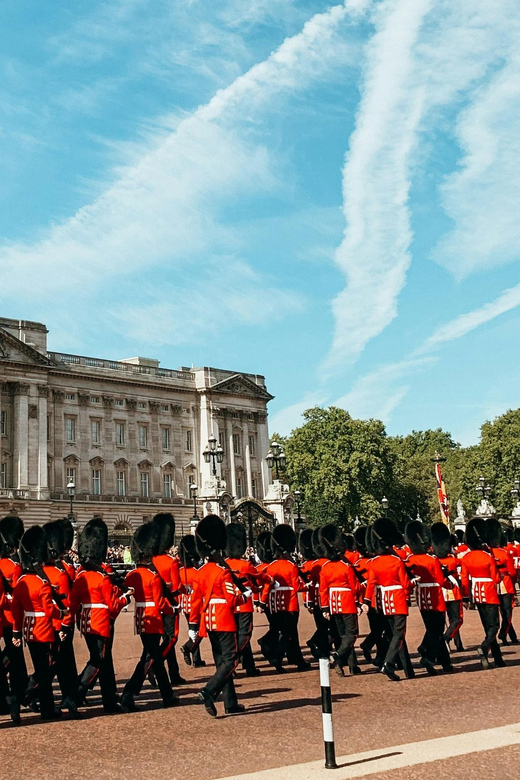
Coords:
164,208
465,323
289,418
379,392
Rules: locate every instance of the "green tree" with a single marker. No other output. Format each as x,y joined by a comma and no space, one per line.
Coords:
342,466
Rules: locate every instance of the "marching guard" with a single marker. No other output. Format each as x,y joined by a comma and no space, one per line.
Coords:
442,542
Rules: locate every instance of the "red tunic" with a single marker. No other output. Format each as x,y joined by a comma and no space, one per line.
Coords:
3,601
188,579
453,566
168,568
506,569
389,586
311,570
480,577
33,609
61,585
245,571
11,571
98,599
281,595
339,588
352,556
70,569
431,581
214,599
150,603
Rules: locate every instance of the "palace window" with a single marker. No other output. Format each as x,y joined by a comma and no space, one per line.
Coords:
145,480
236,443
141,405
165,438
120,434
96,482
239,487
3,423
254,488
70,396
165,408
252,446
167,485
119,402
189,441
70,430
94,399
143,436
121,483
71,476
95,431
3,475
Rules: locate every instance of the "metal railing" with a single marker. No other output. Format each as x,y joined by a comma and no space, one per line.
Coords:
115,365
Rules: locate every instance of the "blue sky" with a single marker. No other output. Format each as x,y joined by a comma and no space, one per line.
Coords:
325,194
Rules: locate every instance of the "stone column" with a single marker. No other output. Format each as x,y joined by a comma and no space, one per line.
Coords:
247,451
21,436
205,427
43,486
263,449
58,422
107,481
232,472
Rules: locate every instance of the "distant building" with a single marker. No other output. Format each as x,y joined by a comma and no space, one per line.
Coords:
128,434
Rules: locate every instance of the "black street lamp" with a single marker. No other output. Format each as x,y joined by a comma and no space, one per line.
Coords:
484,490
276,457
515,491
298,499
193,491
71,490
385,504
213,453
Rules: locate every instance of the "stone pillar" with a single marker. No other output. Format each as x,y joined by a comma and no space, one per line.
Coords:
263,449
232,472
107,480
21,436
247,451
205,427
58,422
43,486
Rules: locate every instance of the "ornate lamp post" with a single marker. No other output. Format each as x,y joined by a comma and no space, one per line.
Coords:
484,490
71,490
276,457
213,453
385,505
193,490
515,495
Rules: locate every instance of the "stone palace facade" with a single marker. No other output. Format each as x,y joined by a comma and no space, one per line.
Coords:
128,434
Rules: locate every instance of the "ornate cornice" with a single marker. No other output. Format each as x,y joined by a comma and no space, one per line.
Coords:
43,391
58,396
83,399
8,343
108,401
20,388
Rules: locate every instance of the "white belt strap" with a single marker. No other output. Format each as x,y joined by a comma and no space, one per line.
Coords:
283,587
335,590
474,580
385,588
217,601
34,614
145,603
94,606
428,584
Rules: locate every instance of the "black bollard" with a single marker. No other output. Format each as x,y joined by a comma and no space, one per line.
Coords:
326,714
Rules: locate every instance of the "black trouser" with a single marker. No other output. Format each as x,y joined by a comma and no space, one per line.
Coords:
454,613
65,666
42,658
17,669
194,648
225,654
244,621
169,641
433,641
348,629
377,635
285,627
99,663
489,618
397,624
506,613
151,657
320,641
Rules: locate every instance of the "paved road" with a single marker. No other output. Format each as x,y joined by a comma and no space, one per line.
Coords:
282,725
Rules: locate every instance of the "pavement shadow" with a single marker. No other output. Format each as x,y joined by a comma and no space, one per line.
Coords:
291,704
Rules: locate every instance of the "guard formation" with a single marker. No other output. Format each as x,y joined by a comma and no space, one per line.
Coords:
217,583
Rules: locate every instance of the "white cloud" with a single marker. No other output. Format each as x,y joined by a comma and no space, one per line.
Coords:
424,58
289,418
465,323
379,392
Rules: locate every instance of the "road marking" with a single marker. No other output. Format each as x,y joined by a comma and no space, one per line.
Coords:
396,757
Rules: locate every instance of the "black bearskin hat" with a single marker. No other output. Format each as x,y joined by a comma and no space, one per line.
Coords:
68,533
349,542
441,540
317,544
165,523
34,550
305,544
264,546
383,536
188,551
55,539
509,534
145,542
11,531
210,535
236,540
284,539
331,541
493,532
93,541
476,533
360,537
459,533
418,537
